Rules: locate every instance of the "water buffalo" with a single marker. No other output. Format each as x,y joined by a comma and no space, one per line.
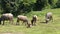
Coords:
6,16
34,19
22,18
48,17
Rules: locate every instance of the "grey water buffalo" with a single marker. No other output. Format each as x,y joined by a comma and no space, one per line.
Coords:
6,16
34,19
49,17
24,19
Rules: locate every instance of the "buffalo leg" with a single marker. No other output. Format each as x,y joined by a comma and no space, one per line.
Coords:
46,21
32,22
0,22
17,22
3,22
11,21
26,22
51,19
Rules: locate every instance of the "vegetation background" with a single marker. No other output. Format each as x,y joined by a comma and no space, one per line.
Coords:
17,7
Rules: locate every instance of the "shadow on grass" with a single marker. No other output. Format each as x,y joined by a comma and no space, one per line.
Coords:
42,22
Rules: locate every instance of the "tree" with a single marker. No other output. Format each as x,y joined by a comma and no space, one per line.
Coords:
40,4
58,4
16,6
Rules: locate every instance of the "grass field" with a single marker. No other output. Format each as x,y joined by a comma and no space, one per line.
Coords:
40,28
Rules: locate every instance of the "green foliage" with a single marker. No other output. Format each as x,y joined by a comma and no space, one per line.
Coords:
58,4
40,4
17,7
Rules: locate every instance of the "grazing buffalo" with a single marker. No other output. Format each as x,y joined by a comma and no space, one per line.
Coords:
22,18
6,16
48,17
34,19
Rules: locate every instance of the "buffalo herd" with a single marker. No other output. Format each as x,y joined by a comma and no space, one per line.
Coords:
24,19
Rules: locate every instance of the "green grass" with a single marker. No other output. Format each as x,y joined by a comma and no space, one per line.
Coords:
40,28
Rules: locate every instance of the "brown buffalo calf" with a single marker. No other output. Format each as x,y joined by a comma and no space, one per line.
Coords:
34,19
